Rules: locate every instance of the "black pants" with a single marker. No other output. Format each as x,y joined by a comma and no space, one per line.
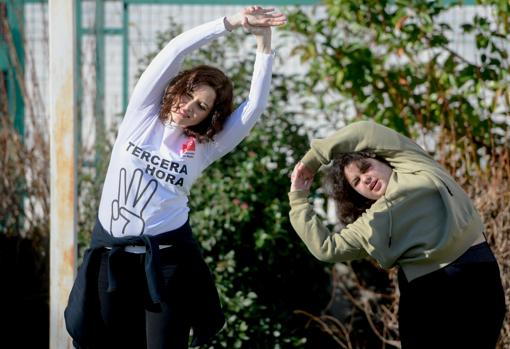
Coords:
130,319
459,306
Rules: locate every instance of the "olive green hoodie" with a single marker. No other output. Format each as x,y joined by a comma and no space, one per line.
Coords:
423,222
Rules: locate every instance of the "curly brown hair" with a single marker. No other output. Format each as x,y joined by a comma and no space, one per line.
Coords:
349,203
185,82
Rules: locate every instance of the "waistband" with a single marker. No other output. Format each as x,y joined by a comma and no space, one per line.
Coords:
103,239
479,253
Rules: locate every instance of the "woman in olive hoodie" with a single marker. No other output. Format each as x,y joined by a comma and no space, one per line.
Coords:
400,207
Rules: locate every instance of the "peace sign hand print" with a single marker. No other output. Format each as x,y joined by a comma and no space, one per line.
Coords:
132,199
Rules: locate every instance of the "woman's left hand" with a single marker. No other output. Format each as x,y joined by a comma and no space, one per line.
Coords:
301,178
255,16
263,17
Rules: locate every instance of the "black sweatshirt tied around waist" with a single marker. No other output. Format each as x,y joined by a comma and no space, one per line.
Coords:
82,314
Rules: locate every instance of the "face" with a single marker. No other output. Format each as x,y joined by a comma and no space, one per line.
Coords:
369,177
193,107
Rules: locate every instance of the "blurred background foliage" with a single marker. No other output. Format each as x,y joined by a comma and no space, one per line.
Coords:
387,61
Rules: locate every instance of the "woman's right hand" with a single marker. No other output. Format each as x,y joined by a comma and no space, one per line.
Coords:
255,16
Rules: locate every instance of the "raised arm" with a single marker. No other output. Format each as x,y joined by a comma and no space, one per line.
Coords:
362,135
358,136
166,64
246,115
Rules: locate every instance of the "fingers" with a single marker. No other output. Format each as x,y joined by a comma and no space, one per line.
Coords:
295,172
145,197
123,191
258,16
300,184
303,171
258,10
274,20
115,210
134,223
301,178
267,22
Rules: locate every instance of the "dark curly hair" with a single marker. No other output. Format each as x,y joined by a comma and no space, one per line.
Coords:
185,82
349,203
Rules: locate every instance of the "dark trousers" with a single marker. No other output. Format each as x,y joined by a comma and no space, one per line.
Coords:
130,319
459,306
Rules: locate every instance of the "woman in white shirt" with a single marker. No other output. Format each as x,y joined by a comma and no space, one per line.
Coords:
143,282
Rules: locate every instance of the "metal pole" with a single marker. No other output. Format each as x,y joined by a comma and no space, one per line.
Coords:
125,56
78,77
100,84
63,180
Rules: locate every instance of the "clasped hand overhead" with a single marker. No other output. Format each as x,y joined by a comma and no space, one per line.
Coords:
255,19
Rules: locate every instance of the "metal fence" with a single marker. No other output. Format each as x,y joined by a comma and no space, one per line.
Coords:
114,38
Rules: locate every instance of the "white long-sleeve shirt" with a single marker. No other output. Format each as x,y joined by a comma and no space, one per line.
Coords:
153,165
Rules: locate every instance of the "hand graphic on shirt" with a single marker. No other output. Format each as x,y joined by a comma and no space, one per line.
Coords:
132,199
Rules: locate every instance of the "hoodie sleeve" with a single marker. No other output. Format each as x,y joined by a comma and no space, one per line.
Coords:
321,243
358,136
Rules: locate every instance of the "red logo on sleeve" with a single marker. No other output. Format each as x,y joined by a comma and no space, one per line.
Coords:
188,148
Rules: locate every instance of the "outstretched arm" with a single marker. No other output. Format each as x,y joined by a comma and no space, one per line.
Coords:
358,136
166,64
246,115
